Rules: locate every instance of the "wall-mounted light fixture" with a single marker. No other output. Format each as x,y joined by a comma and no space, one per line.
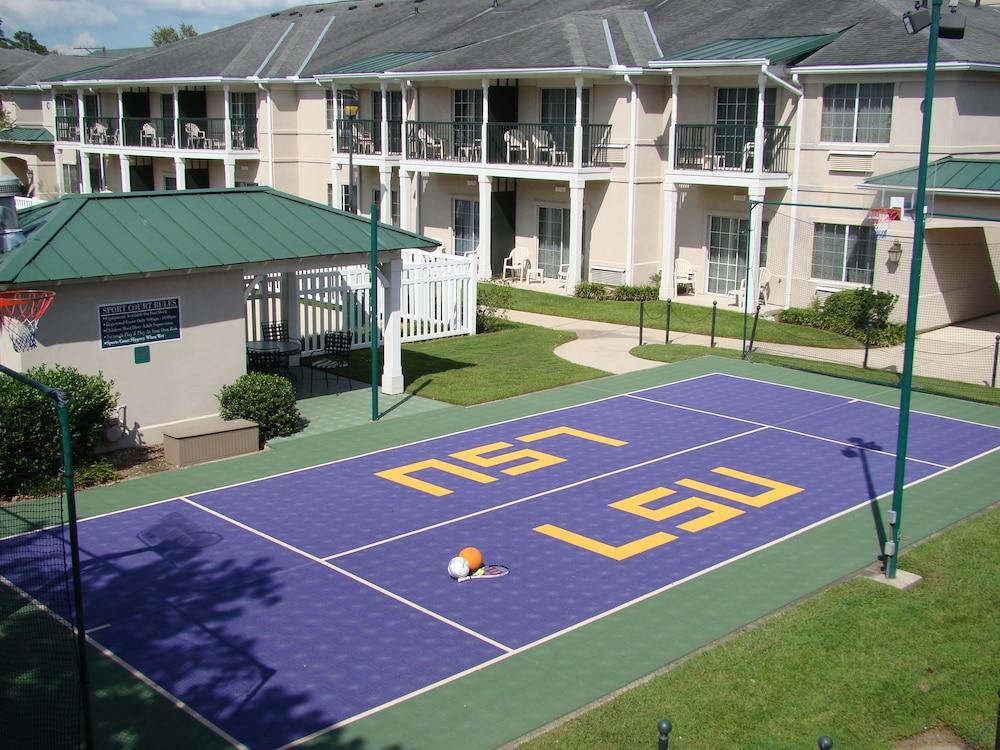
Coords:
895,251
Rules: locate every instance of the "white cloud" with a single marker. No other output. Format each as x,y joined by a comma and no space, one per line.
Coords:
55,15
79,45
235,8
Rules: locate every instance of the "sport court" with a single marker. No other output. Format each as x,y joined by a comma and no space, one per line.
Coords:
284,607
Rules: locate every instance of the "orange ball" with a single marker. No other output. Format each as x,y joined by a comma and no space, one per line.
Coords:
472,556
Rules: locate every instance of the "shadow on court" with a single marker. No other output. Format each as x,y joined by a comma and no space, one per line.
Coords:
861,452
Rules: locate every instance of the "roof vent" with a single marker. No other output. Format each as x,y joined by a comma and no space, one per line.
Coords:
379,5
275,15
351,7
319,10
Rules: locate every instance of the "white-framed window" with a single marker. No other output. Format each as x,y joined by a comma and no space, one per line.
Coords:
466,226
71,178
727,253
553,239
857,113
331,109
394,207
845,253
345,197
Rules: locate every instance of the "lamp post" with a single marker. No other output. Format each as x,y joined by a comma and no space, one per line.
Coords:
350,108
954,28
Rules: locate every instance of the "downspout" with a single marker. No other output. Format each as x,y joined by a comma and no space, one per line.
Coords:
630,199
796,161
270,135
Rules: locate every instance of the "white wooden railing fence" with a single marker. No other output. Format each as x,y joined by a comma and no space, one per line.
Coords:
438,299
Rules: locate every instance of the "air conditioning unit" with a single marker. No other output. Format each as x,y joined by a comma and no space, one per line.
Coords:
609,276
822,292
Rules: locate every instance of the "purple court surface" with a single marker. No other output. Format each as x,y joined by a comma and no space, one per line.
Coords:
282,607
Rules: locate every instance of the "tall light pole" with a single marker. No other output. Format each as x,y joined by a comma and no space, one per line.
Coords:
915,21
350,109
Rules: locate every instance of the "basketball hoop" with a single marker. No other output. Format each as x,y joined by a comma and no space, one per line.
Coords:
20,311
882,219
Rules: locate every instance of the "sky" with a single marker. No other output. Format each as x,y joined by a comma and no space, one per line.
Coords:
63,25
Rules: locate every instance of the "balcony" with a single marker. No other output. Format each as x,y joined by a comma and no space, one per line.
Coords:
729,148
367,136
192,133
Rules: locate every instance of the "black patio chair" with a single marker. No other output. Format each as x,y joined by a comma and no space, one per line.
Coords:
336,357
276,330
267,362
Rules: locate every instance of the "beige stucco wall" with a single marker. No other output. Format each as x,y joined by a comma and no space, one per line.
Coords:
182,376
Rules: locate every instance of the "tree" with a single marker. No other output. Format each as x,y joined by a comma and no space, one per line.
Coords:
167,34
22,40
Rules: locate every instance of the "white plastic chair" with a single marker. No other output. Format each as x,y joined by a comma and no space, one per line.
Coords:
684,275
517,145
433,147
195,135
147,134
517,262
763,288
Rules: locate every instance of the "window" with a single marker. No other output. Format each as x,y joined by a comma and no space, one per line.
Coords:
843,253
66,105
345,197
553,240
331,110
169,182
466,227
857,112
329,195
727,253
71,178
394,207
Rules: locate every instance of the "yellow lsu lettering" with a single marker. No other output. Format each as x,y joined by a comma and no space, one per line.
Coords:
715,513
532,461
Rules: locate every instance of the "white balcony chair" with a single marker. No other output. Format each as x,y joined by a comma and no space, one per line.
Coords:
684,275
147,135
544,143
98,133
517,146
517,262
763,288
195,136
433,148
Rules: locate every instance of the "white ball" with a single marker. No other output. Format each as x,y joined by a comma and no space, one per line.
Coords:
458,567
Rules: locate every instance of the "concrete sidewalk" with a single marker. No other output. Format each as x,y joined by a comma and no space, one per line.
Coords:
606,346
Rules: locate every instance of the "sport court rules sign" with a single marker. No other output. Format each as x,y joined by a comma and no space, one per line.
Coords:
132,323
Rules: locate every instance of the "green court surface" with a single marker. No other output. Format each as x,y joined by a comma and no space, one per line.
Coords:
512,697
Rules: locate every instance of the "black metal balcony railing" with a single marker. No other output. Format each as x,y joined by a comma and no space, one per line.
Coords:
367,136
202,132
67,128
531,144
101,131
729,148
244,129
149,132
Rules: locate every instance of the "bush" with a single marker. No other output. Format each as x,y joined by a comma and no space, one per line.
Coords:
30,442
858,313
591,290
635,293
492,303
268,400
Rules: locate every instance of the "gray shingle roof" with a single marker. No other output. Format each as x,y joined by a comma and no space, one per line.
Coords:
20,68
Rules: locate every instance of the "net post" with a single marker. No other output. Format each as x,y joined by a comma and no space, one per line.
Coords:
642,318
868,343
715,307
373,307
664,728
753,331
666,337
996,357
61,399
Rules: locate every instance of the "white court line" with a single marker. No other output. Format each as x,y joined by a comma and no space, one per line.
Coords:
625,605
349,574
791,431
543,493
125,665
861,400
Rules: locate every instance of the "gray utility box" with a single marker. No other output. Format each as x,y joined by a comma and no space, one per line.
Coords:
209,439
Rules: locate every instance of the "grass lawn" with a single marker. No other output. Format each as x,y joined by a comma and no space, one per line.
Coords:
951,388
687,318
861,662
475,369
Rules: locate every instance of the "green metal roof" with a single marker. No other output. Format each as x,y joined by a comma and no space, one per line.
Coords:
115,234
950,173
379,63
777,49
23,133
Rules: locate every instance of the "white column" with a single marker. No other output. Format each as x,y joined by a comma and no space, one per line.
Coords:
578,129
633,137
177,128
230,167
486,118
384,125
406,200
385,191
758,135
674,91
667,288
485,251
85,185
60,186
104,181
573,273
392,365
336,191
290,304
404,90
753,251
79,115
180,173
121,120
126,175
796,161
336,117
226,123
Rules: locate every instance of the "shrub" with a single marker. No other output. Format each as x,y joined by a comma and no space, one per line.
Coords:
30,442
492,304
268,400
858,313
591,290
655,279
635,293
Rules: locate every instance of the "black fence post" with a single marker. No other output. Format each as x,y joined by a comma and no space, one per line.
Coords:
664,726
753,330
666,338
642,318
996,355
996,738
715,307
825,743
868,343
